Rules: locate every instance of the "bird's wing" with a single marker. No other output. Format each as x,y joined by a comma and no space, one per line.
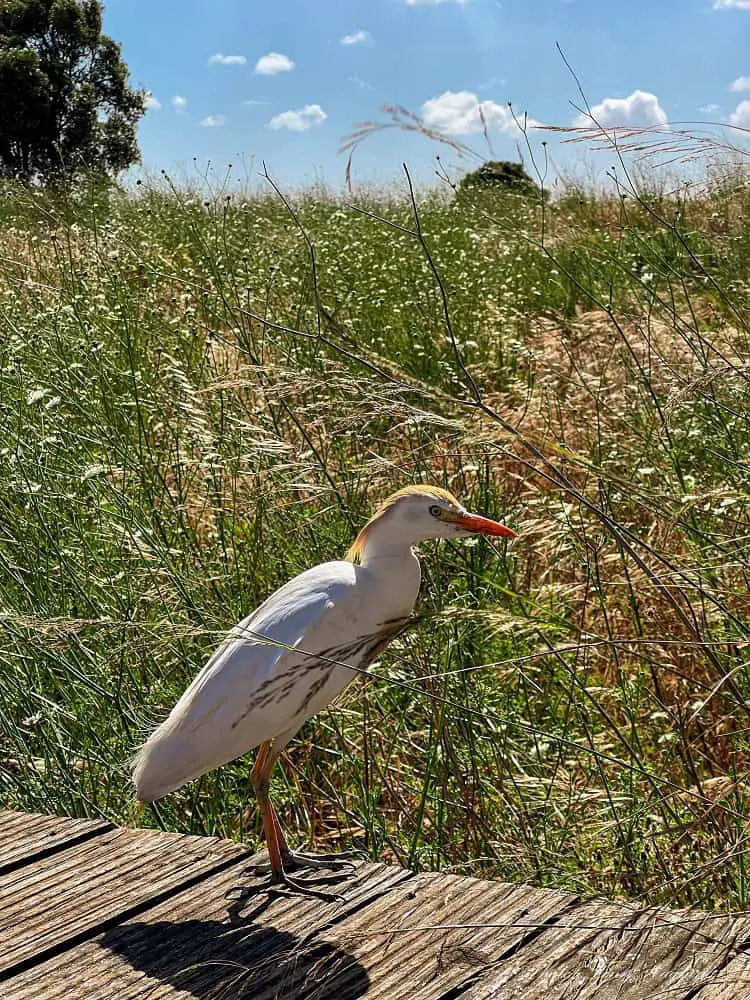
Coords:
251,690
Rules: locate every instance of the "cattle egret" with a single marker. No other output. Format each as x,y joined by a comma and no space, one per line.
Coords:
288,659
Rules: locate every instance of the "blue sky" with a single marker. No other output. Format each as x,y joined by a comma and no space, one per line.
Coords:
240,81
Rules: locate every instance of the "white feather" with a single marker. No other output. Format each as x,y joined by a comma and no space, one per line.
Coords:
223,713
251,690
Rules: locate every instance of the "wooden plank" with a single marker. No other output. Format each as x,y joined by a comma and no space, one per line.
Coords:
197,944
26,836
617,951
433,934
71,894
140,915
730,983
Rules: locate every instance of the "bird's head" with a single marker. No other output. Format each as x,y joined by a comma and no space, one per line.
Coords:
417,513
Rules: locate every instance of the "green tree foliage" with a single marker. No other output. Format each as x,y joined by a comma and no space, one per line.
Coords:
500,175
65,104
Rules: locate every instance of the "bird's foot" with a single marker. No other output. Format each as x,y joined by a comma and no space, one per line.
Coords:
338,865
306,886
279,883
342,861
295,861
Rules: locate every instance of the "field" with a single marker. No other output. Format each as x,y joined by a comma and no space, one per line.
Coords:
203,394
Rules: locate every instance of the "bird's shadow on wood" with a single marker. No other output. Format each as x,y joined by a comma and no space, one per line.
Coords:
213,960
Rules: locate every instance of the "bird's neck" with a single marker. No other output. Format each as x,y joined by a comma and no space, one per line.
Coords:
392,567
376,552
394,562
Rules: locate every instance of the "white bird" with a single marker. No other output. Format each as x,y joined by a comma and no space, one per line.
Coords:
292,656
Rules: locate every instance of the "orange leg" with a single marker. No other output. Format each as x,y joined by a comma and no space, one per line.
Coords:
279,854
280,838
260,777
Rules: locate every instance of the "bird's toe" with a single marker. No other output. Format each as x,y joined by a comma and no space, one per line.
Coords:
300,860
306,886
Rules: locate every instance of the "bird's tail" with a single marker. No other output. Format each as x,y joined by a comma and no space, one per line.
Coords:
161,765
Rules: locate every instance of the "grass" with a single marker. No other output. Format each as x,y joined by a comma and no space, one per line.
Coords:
202,395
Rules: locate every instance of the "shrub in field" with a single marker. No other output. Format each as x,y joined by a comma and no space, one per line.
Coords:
497,176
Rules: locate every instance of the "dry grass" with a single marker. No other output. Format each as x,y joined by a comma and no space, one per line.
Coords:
193,413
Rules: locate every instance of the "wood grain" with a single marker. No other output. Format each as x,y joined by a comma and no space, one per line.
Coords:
445,930
198,944
26,836
620,952
68,894
89,912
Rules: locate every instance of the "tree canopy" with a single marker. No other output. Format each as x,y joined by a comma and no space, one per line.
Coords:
65,104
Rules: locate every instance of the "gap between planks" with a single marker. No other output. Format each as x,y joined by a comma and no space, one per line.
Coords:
399,935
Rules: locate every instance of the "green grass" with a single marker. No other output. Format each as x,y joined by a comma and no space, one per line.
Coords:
203,395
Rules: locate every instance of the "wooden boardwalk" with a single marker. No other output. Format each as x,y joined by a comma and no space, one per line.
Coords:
94,912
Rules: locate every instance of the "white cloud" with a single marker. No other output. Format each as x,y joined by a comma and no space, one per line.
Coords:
273,63
301,120
639,110
741,84
356,38
741,115
179,103
222,60
731,4
214,121
710,109
152,104
458,112
359,82
254,103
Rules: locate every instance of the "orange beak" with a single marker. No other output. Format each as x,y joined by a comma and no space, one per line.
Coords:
483,525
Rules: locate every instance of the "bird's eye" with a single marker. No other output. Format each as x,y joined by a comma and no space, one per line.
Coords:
436,511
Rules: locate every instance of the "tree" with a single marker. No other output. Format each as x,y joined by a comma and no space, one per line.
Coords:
499,174
65,104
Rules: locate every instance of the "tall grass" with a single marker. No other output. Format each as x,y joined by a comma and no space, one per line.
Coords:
202,395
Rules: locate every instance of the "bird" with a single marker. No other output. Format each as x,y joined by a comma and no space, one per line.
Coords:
293,655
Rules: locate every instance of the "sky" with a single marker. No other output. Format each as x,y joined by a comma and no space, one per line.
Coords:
246,82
